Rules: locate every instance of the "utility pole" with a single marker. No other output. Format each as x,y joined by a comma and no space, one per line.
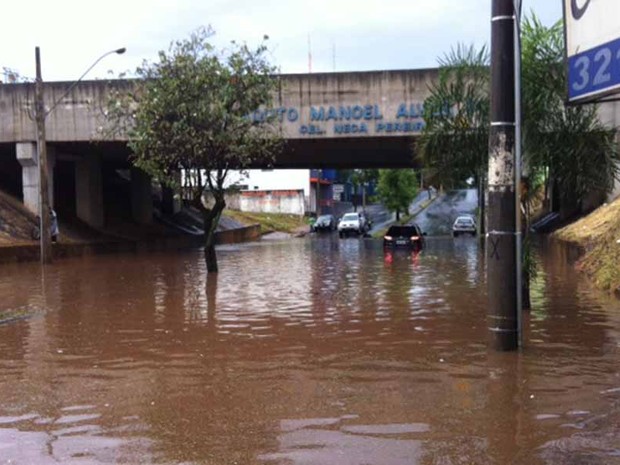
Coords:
502,233
44,204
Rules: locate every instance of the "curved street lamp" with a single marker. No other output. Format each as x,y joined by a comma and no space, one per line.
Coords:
40,115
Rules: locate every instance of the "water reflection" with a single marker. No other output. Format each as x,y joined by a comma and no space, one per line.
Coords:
302,352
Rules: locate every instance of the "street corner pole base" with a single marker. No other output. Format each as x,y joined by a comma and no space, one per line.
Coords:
503,340
501,269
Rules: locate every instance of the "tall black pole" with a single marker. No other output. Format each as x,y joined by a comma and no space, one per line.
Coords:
40,115
501,232
44,204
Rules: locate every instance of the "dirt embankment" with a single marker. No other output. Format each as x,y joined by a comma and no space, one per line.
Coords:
16,222
599,235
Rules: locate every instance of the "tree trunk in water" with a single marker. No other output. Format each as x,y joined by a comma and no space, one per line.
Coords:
211,220
211,258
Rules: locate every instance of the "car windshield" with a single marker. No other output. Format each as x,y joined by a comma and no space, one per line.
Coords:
464,221
323,219
350,217
402,231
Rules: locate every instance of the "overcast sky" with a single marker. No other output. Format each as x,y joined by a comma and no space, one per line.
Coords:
343,35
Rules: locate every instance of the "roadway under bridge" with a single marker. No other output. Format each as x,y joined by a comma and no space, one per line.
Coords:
330,120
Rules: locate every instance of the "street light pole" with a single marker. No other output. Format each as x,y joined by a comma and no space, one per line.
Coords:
40,115
44,204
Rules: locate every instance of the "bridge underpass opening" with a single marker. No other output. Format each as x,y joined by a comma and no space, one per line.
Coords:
10,172
347,153
107,193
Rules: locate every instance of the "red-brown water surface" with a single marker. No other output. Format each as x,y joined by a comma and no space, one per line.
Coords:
306,352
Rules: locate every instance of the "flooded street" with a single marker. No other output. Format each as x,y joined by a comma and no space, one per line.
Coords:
314,351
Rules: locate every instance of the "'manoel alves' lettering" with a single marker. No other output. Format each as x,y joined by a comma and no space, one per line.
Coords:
349,119
345,113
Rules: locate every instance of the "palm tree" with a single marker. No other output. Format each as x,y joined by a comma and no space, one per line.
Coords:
568,149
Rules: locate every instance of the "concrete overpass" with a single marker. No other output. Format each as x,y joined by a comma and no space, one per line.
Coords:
337,120
350,117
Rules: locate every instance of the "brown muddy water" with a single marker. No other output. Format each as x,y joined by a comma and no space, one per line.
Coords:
313,351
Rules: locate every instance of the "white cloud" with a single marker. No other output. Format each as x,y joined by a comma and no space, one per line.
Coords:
372,34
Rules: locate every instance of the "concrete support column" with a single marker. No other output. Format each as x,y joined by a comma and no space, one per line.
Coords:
28,158
171,201
141,197
89,190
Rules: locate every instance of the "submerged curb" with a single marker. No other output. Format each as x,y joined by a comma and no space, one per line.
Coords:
30,252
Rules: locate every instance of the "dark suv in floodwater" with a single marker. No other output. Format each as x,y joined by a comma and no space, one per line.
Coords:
409,235
324,223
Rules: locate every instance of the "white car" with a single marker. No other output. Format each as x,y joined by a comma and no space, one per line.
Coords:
464,225
352,222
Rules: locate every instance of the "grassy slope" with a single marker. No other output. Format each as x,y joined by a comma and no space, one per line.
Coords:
270,222
599,234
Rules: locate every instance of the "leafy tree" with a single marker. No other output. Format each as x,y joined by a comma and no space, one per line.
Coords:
397,188
189,114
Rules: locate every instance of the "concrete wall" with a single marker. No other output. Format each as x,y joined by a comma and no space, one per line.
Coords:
234,236
24,253
232,200
273,179
277,201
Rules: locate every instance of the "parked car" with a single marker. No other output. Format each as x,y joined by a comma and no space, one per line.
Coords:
409,235
464,225
324,223
352,223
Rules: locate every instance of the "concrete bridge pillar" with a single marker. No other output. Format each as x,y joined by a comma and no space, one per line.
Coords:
141,197
89,190
28,158
171,203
